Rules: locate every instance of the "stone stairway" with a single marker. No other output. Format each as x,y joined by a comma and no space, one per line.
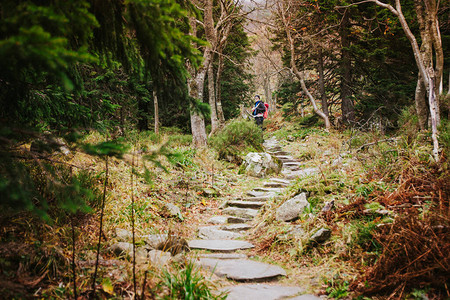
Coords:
225,234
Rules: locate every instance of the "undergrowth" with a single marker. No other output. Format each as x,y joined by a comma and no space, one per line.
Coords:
236,139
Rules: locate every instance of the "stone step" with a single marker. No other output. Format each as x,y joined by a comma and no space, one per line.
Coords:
218,220
289,174
236,227
237,220
261,198
241,269
274,184
245,213
294,163
282,157
245,204
219,245
279,152
216,233
257,194
268,190
262,292
280,180
220,255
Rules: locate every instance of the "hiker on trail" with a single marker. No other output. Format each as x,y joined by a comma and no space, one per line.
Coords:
260,111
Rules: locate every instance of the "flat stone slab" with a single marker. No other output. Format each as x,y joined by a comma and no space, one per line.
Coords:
242,269
236,227
280,180
300,173
268,190
219,245
218,220
246,213
237,220
273,184
215,233
261,292
281,157
245,204
261,194
278,152
222,255
292,163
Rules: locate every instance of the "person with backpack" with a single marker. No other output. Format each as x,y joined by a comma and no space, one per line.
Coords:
260,111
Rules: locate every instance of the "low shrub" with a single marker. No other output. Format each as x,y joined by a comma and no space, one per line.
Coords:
187,283
236,139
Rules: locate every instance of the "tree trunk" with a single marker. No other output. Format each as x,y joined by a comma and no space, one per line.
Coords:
212,99
219,107
267,89
195,86
197,122
348,112
323,95
420,104
155,105
434,124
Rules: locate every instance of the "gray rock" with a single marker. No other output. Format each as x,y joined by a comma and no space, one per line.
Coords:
246,213
210,192
291,209
122,248
268,190
261,292
260,164
173,210
245,204
159,258
123,235
261,198
292,163
290,174
141,255
223,255
236,227
219,245
261,194
237,220
322,235
215,233
154,240
218,220
242,269
328,206
278,152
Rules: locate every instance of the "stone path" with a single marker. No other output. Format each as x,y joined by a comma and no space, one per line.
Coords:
226,233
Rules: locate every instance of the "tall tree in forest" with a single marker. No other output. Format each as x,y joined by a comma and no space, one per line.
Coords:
286,14
429,58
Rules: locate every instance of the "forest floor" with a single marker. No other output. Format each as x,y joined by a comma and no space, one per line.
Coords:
360,172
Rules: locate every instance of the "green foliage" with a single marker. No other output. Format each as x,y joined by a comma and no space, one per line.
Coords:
114,148
337,289
180,140
187,284
444,136
363,236
183,158
237,138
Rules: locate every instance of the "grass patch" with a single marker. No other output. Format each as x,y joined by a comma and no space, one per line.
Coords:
236,139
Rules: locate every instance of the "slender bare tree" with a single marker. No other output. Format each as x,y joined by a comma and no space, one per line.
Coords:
284,11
